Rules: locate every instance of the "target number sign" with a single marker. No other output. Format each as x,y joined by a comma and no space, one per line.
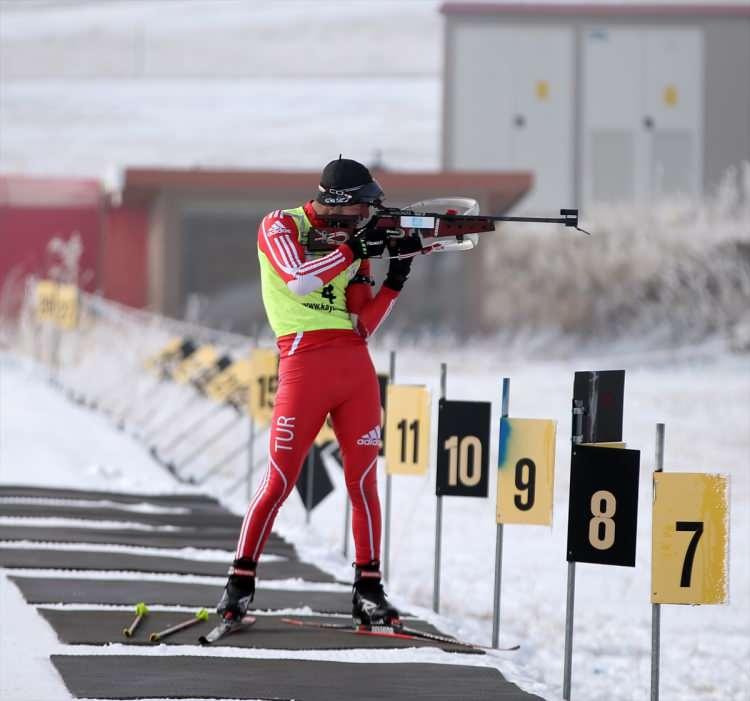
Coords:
689,539
407,429
603,505
264,382
196,363
229,381
526,476
463,448
57,303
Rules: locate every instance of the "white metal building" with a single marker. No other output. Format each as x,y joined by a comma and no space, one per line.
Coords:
603,103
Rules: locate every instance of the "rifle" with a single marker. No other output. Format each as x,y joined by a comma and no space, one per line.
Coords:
438,231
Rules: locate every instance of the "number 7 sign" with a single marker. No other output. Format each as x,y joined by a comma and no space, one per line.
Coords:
689,539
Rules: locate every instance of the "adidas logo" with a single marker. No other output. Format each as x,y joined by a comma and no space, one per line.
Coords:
372,437
278,228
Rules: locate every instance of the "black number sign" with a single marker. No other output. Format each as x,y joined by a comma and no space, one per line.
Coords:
603,505
322,485
599,395
463,448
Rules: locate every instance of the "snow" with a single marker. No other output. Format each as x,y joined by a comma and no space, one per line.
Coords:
90,86
688,392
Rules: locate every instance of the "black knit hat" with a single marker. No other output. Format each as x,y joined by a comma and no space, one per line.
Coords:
344,182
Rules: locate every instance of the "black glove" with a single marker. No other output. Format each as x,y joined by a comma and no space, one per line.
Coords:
398,269
367,243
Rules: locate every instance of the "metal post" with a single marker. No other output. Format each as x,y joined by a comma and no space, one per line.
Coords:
310,483
250,459
347,518
656,608
387,529
576,437
439,514
499,540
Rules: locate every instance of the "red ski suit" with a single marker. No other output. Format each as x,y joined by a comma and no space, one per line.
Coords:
321,372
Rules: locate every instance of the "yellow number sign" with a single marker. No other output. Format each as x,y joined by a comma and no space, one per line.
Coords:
46,300
233,379
194,364
526,476
264,382
170,350
66,312
407,429
57,303
689,538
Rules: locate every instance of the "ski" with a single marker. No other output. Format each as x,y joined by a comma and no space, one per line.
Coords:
401,632
224,628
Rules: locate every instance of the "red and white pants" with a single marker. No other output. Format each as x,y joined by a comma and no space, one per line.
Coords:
321,373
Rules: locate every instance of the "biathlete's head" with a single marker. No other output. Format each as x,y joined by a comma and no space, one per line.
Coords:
347,187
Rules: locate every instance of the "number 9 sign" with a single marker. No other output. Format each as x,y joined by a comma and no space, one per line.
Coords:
526,475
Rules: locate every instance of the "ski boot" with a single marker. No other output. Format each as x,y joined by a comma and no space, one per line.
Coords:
239,591
370,607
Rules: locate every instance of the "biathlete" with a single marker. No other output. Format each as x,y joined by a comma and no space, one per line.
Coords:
322,310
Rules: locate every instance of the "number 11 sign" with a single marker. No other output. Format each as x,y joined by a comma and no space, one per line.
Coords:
407,429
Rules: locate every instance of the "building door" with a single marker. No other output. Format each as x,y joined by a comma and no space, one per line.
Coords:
511,106
642,116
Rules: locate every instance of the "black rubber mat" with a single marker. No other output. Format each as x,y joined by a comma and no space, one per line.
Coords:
43,558
269,632
197,518
139,676
212,538
126,592
19,490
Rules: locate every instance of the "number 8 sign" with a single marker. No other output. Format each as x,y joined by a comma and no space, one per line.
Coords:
603,505
526,476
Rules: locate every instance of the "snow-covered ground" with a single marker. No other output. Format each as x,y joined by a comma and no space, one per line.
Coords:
703,396
86,86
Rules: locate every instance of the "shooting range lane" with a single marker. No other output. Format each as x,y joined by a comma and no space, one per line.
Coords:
269,632
117,561
136,677
139,676
207,538
190,500
126,592
194,518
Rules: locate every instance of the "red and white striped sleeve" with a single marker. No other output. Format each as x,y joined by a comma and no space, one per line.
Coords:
278,239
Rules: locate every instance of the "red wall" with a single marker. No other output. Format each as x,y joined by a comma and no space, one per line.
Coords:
34,210
125,255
